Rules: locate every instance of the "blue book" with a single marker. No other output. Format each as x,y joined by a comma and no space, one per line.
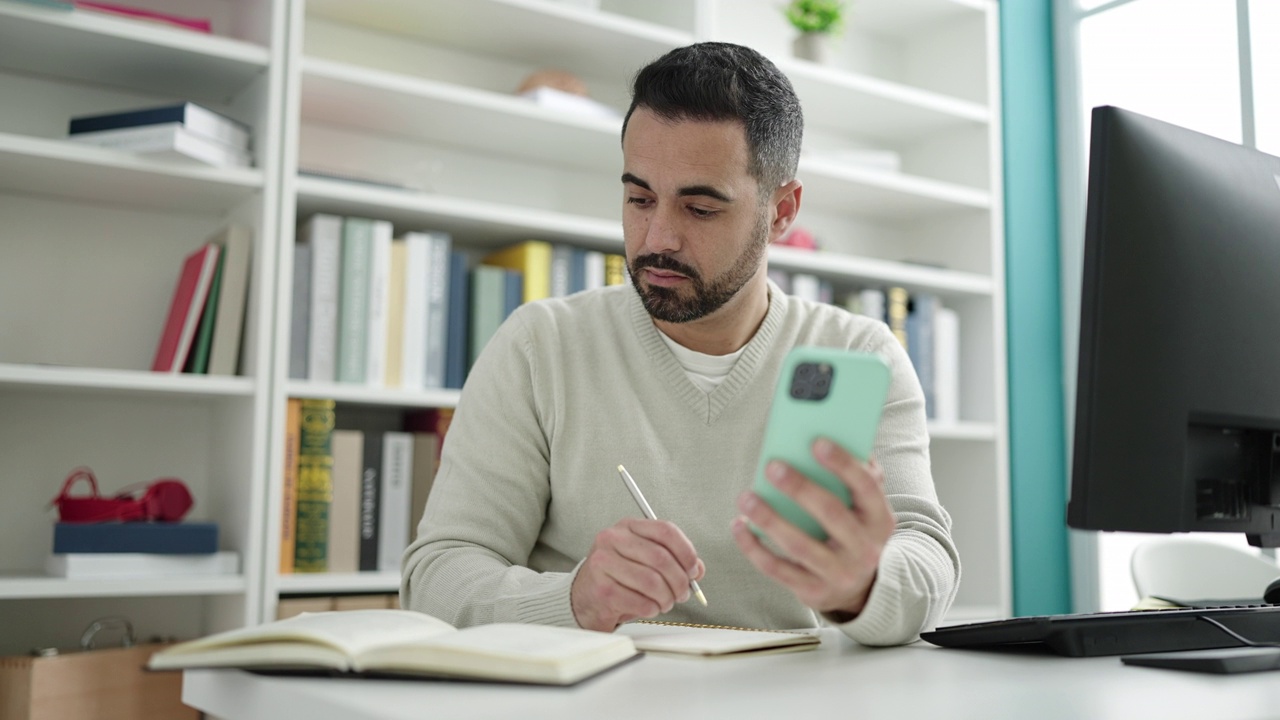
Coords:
197,119
513,283
455,369
180,538
577,270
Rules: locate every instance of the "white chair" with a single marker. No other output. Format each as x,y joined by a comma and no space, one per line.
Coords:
1189,570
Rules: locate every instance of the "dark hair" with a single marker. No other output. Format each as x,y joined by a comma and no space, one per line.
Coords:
714,81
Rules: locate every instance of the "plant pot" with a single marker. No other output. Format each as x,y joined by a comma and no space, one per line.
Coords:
812,46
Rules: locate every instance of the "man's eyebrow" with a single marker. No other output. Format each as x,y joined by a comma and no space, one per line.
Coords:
692,190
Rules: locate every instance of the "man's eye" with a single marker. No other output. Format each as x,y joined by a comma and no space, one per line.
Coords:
701,212
638,201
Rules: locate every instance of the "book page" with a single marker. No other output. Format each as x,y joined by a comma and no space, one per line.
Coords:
712,640
351,631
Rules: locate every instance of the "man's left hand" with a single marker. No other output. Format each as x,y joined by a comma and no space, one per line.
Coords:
833,576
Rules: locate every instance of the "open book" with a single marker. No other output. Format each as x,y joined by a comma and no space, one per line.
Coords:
405,643
715,640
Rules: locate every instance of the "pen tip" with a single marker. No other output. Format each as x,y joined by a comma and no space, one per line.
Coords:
621,469
701,598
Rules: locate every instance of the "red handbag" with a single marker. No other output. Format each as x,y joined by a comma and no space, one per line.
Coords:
163,500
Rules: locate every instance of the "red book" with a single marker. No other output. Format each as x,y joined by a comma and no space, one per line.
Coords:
184,312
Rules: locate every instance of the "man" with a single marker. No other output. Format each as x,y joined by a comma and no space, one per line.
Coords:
673,377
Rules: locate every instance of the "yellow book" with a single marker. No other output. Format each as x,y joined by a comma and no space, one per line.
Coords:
395,312
315,486
531,258
289,503
615,269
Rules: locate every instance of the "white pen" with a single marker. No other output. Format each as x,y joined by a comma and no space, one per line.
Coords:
648,513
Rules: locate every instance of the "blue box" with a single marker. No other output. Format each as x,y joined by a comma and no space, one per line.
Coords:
181,538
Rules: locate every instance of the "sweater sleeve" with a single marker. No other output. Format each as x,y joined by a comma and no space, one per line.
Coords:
919,570
468,564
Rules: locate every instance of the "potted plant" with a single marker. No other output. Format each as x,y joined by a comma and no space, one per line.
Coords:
817,21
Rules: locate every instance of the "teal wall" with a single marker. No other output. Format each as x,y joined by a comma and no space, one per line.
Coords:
1041,570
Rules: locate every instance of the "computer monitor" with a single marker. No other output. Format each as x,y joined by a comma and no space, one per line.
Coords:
1177,423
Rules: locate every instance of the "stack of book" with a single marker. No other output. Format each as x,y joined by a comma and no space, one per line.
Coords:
203,331
114,550
184,130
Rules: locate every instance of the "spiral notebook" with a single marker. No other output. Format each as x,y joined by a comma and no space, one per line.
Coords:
715,640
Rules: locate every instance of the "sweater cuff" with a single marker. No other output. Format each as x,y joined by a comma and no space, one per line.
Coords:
886,618
550,604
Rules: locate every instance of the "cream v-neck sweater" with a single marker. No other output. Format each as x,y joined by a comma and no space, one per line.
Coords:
570,388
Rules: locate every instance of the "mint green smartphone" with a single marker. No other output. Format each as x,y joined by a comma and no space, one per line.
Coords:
821,392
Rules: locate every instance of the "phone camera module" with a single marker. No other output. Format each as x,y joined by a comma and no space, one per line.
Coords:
811,381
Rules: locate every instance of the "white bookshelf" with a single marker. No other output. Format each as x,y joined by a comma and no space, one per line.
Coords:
90,250
419,95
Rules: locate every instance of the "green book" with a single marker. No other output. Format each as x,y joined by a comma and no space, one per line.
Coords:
488,305
198,361
355,275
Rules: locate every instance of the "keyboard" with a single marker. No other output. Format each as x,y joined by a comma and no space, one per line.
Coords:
1117,633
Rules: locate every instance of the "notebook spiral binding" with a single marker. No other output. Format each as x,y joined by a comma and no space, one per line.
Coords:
722,627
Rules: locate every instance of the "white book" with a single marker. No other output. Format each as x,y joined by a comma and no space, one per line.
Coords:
379,305
806,286
561,262
437,332
228,328
946,366
196,118
595,269
873,303
324,234
106,566
395,500
414,348
167,140
554,99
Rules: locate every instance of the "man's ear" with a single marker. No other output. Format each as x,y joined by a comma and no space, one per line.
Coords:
786,205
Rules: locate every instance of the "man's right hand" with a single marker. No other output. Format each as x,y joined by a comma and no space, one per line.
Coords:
635,569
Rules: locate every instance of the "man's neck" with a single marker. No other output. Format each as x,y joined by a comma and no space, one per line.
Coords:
729,328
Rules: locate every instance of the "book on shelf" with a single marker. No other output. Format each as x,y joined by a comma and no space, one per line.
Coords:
405,643
561,101
946,365
459,322
921,345
300,312
437,309
315,486
372,423
488,305
289,483
111,566
196,118
168,140
532,259
413,362
185,309
228,329
323,235
344,508
176,538
397,302
396,496
197,24
615,269
593,269
715,640
897,306
355,274
198,359
379,305
561,270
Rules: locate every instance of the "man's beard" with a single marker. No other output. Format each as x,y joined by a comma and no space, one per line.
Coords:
673,306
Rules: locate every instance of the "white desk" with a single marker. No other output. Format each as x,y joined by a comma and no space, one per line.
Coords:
838,680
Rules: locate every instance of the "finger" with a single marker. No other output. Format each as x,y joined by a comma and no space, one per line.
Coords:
824,506
644,581
865,486
789,574
799,548
671,537
622,602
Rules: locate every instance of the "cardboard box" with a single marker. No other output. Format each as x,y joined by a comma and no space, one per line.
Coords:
107,684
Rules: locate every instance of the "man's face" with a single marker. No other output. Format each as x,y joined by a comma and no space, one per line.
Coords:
694,227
